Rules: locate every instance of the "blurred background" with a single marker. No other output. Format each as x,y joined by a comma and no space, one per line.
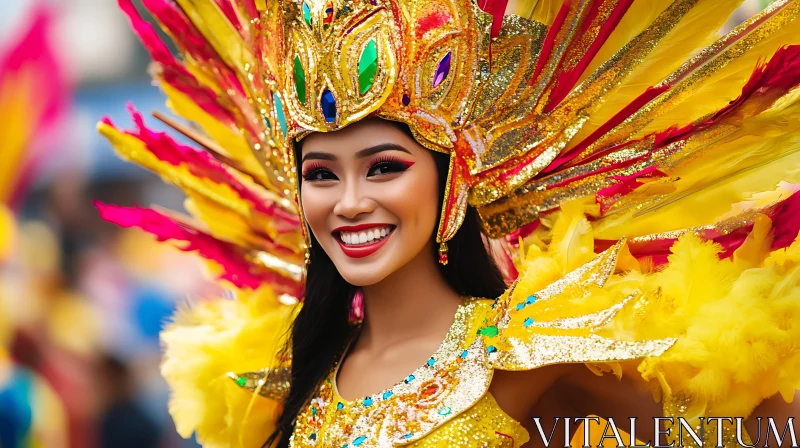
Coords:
82,301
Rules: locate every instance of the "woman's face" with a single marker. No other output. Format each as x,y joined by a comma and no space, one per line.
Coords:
370,196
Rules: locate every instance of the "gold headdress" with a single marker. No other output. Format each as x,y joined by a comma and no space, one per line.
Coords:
533,111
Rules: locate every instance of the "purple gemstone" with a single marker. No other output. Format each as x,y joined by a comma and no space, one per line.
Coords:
374,2
442,70
406,99
328,104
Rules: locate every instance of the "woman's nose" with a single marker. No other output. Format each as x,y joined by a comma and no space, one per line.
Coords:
353,202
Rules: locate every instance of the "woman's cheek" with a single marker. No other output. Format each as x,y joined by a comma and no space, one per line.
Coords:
315,207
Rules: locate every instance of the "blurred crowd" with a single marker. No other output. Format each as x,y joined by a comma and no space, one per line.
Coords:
81,301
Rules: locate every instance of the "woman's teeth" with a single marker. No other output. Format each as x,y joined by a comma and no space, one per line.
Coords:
365,236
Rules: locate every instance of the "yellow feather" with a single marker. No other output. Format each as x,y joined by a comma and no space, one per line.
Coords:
738,343
756,247
698,29
762,151
543,11
639,16
572,240
726,84
231,140
209,19
206,341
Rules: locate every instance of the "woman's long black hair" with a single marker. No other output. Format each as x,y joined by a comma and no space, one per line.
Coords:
321,329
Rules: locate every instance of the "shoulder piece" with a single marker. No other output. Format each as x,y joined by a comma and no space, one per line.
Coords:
558,323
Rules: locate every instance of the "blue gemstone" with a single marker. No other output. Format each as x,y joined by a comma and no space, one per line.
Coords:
406,99
409,435
409,379
368,401
359,440
491,349
387,394
431,361
442,70
339,405
530,300
464,354
313,436
528,322
520,306
328,104
279,112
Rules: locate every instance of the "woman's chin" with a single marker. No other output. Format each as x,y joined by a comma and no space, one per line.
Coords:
358,273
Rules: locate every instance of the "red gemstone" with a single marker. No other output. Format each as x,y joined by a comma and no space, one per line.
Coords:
443,258
429,391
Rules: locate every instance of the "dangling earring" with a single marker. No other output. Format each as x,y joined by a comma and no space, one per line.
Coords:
357,308
443,254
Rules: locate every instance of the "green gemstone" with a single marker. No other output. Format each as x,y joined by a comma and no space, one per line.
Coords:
306,13
241,381
300,80
489,332
367,66
279,112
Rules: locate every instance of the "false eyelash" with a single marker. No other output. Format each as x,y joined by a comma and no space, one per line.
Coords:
390,159
312,167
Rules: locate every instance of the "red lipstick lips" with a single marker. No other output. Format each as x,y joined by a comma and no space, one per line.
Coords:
362,250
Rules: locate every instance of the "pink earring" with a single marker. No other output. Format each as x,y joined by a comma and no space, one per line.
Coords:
357,308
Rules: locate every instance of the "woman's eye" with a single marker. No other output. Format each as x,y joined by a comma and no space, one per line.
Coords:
319,174
386,167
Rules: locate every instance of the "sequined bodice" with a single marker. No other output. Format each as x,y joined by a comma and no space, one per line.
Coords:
448,396
445,402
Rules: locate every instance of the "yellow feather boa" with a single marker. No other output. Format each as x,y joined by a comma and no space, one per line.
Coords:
205,342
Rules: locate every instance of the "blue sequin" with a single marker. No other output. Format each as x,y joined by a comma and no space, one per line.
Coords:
520,306
409,379
409,435
359,440
464,354
314,410
339,406
313,436
431,361
491,349
387,394
328,104
530,300
368,401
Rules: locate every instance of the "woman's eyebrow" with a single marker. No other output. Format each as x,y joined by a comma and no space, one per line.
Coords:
366,152
318,156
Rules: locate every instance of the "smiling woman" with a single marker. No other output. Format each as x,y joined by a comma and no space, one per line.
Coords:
372,196
619,161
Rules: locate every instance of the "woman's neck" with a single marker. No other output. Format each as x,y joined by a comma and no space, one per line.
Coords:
411,302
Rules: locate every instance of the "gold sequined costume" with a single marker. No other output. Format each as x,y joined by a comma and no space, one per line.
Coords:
639,169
